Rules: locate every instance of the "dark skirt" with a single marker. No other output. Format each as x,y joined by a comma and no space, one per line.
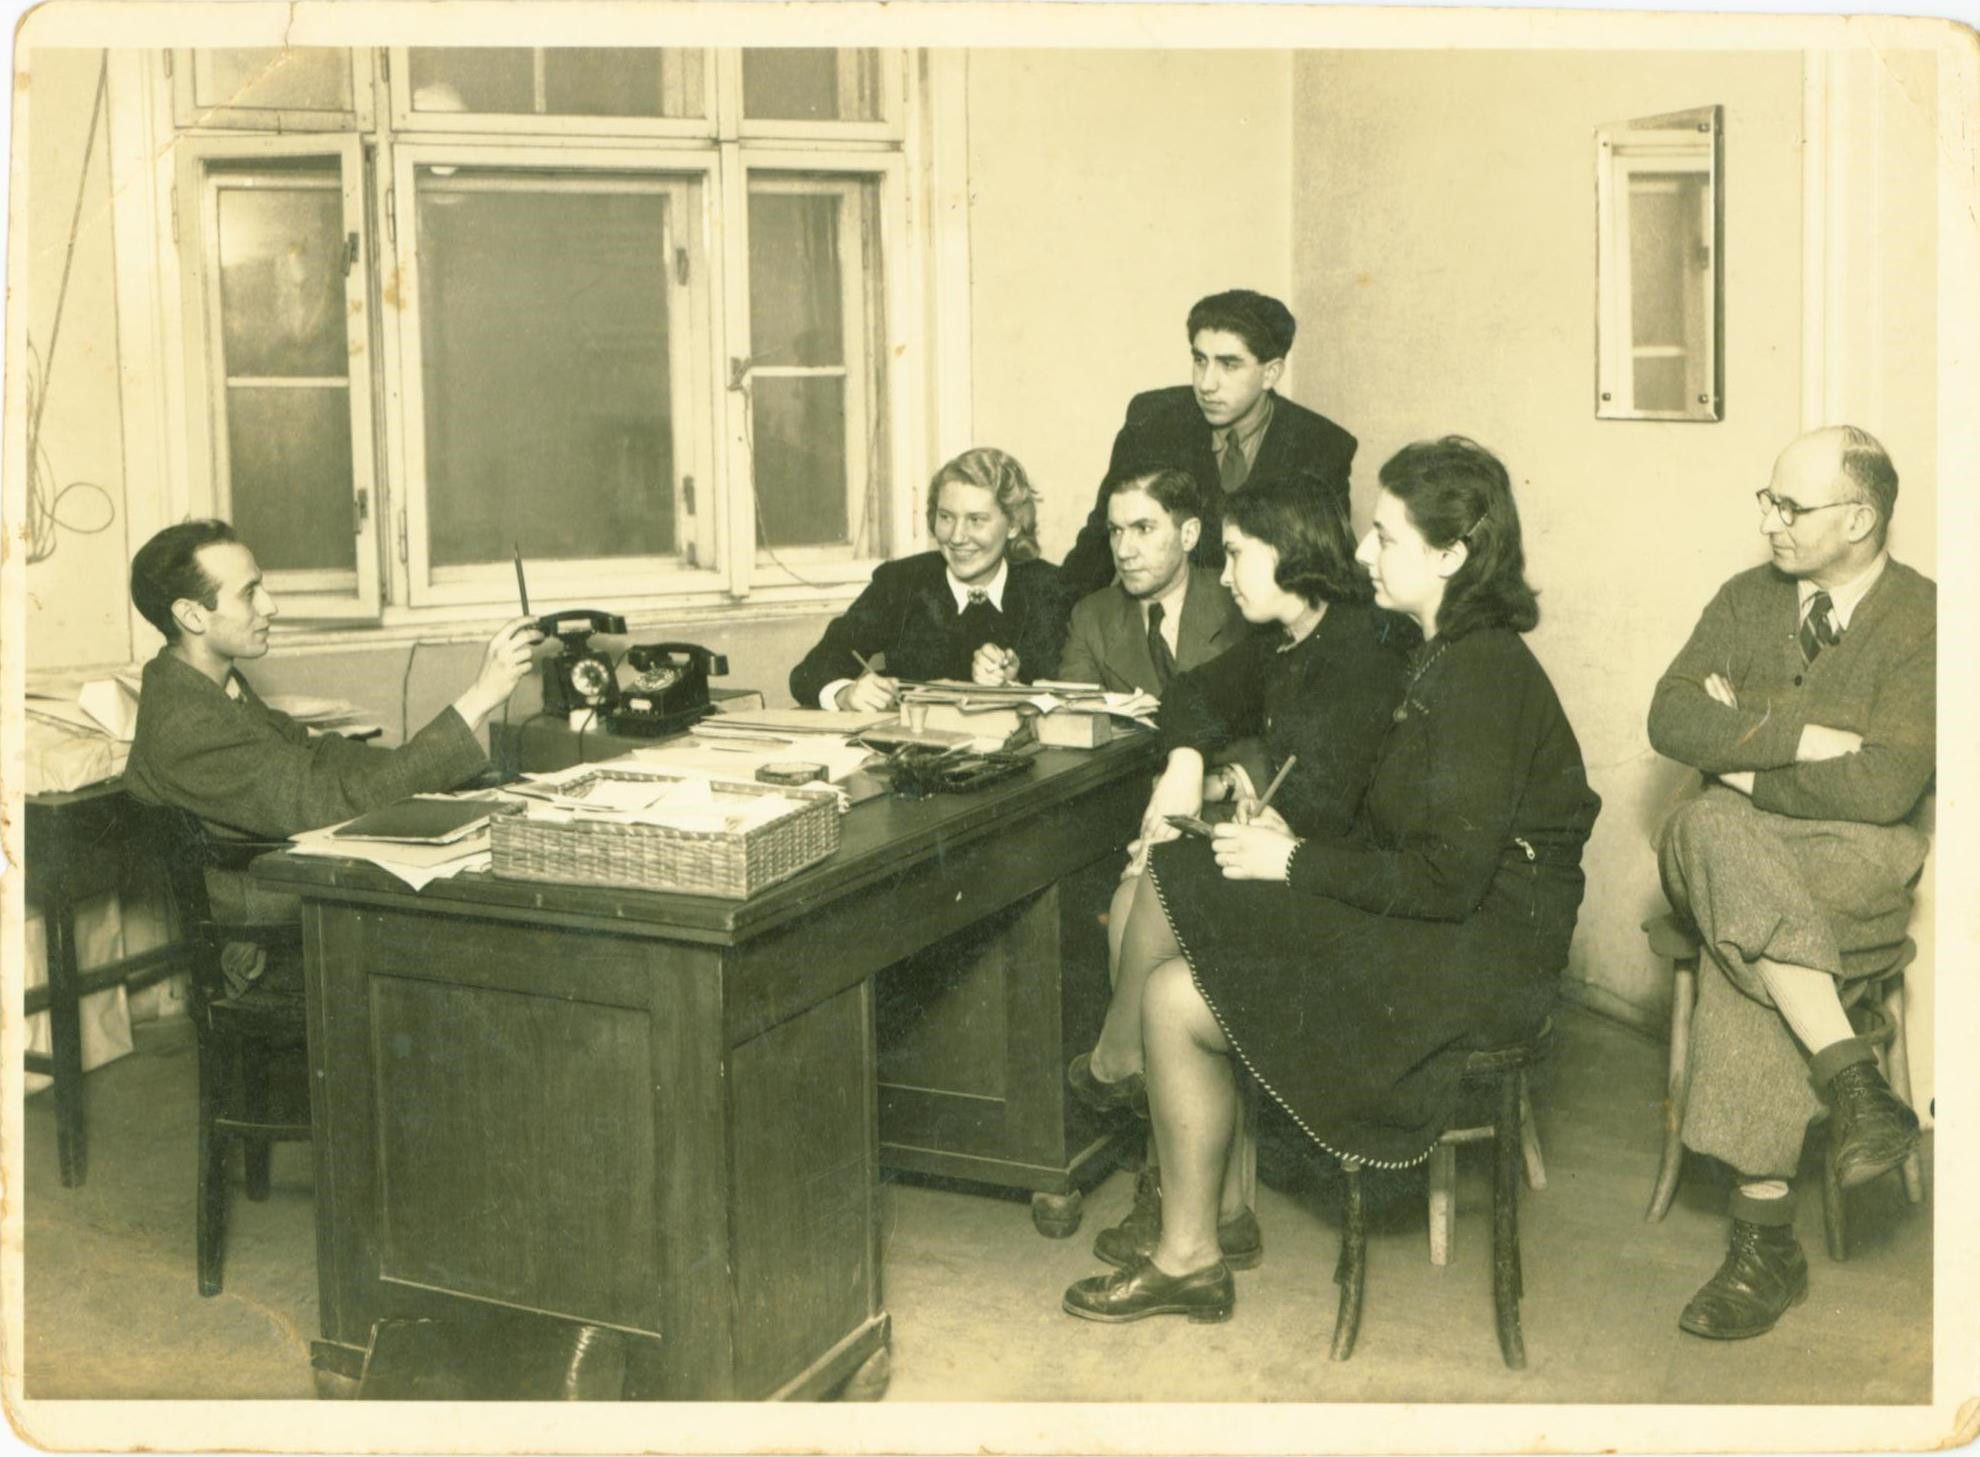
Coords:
1358,1024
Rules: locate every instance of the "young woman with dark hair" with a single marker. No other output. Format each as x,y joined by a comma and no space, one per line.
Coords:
1353,972
1317,693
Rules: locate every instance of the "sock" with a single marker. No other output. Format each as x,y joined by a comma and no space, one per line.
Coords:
1807,1000
1764,1201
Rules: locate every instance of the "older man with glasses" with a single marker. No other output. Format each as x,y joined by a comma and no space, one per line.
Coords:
1807,697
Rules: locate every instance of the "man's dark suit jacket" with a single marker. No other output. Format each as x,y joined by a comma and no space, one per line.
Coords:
1108,642
1165,428
908,612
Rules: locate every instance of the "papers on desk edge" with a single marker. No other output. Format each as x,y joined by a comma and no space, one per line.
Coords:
1047,696
417,865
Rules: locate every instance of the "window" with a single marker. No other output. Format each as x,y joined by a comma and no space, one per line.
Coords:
644,313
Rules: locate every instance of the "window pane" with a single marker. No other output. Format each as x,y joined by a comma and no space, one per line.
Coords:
598,82
811,85
473,78
548,399
575,81
289,464
312,78
281,251
799,444
794,279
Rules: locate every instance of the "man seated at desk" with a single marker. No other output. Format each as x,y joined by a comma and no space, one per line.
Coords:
982,606
1226,428
206,743
1163,615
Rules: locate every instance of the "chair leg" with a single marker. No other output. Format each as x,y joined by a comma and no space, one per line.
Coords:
1677,1086
254,1101
1529,1138
210,1205
1351,1271
1506,1280
1443,1202
1900,1079
1835,1218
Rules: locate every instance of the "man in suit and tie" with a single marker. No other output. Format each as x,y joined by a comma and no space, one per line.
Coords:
1164,615
1224,428
1807,695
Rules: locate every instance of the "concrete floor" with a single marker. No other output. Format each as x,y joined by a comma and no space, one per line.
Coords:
111,1309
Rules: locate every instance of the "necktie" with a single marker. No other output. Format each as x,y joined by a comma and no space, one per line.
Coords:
1819,628
1231,466
978,621
1158,649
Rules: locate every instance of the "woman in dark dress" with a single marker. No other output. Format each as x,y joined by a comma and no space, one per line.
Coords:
1352,974
1316,693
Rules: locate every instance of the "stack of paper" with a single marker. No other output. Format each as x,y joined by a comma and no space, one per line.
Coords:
417,865
79,729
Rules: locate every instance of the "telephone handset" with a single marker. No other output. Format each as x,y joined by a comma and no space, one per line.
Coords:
579,677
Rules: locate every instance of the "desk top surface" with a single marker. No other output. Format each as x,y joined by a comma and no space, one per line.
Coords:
878,839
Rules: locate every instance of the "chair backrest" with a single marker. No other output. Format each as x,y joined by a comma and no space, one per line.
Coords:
178,840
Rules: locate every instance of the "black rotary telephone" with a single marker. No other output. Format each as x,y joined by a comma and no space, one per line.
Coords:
664,688
579,677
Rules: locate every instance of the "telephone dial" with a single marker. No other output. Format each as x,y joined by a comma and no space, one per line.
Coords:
580,676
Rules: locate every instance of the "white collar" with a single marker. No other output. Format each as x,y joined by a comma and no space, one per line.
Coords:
994,588
1844,599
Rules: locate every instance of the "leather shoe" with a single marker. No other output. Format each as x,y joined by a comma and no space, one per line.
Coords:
1130,1092
1133,1240
1204,1295
1873,1131
1764,1274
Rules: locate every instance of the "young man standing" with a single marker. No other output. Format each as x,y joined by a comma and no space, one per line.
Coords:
1225,427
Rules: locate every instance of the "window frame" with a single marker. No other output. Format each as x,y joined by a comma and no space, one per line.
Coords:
188,116
919,270
694,370
408,121
823,567
306,595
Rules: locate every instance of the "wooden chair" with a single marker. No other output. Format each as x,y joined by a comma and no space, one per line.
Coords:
240,1037
1499,1074
1878,1017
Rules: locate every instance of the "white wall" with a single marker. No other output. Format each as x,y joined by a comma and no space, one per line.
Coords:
1446,258
77,605
1109,190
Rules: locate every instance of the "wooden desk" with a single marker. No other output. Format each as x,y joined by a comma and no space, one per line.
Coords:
660,1113
77,845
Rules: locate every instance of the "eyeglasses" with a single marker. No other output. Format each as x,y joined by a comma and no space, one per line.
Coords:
1789,510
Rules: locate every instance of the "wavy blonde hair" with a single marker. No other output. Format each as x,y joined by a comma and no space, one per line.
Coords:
1001,475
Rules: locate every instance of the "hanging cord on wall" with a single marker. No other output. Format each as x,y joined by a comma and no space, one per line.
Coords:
44,509
739,382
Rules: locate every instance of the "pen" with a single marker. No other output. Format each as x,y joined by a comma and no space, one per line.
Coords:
522,587
1277,779
865,665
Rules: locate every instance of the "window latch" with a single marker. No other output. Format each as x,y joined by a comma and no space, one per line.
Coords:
360,512
350,253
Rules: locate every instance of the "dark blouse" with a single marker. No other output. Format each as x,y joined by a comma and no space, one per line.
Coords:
1327,699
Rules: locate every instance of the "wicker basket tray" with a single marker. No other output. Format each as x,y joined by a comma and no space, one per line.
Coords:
731,863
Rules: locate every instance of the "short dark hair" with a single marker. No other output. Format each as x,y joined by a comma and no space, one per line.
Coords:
1175,491
1455,490
167,568
1266,325
1303,521
1866,465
